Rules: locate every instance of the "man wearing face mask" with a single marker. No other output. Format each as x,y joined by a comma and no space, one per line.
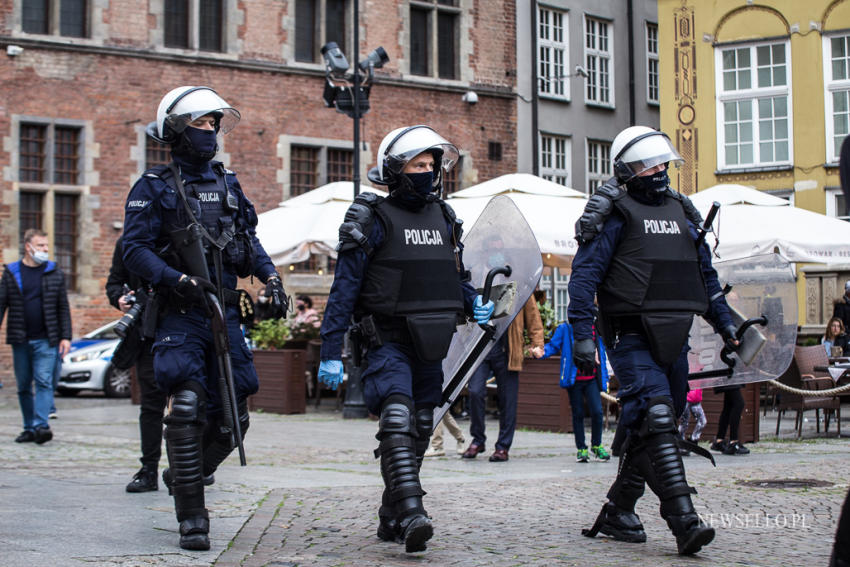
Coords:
638,256
190,232
39,330
400,278
504,362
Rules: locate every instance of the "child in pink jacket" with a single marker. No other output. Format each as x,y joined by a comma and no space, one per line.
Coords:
693,407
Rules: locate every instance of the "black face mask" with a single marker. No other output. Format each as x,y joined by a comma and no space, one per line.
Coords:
650,186
196,146
421,183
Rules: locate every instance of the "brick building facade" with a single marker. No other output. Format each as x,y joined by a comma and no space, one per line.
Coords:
80,80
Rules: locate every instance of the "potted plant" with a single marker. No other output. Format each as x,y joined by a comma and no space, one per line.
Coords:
279,368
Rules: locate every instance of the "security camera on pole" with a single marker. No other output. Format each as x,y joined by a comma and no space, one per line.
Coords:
348,93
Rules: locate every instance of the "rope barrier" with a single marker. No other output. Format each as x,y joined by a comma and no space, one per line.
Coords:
775,384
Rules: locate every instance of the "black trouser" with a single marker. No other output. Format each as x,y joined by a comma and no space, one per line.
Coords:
153,402
730,416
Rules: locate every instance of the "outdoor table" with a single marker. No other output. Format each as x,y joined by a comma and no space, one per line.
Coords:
836,371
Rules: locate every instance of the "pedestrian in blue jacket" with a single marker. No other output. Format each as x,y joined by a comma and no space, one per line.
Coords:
579,387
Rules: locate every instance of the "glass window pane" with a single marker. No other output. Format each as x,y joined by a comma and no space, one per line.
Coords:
744,79
779,76
305,31
744,58
745,110
838,47
34,16
765,130
210,25
446,34
731,132
765,107
763,55
33,153
730,111
780,106
782,151
340,165
746,132
766,151
66,156
764,76
729,59
72,18
779,54
729,80
781,129
65,236
747,153
303,169
731,154
839,69
335,22
177,23
418,42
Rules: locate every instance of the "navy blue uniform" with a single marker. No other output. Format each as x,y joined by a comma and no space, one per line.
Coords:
640,376
183,349
392,368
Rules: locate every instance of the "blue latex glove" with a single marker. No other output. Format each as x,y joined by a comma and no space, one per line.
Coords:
330,373
482,313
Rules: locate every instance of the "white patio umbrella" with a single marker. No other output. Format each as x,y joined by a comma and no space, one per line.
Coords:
550,209
752,222
307,224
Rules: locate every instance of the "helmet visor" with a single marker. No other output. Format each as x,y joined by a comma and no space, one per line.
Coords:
416,140
198,103
649,153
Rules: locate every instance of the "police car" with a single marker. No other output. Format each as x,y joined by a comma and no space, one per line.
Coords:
88,366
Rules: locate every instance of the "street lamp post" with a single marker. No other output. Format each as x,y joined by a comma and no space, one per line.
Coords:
348,93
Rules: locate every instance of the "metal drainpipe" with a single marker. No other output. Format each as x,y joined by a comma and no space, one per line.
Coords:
630,18
535,161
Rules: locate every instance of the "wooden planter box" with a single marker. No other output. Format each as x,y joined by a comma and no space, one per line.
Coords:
282,386
542,404
712,404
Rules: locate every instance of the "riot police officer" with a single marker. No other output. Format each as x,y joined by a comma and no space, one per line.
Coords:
638,256
194,196
400,278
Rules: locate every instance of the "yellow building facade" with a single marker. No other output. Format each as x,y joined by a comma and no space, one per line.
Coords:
757,92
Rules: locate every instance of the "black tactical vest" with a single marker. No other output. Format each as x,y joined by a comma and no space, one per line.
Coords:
655,269
216,207
415,270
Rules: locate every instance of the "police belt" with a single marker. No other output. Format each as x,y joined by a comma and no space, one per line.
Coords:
386,330
231,297
628,325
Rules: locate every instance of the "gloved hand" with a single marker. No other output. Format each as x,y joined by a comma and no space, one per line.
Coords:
330,373
194,290
729,337
482,312
584,356
277,296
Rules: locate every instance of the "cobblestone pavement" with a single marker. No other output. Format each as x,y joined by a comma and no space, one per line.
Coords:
310,492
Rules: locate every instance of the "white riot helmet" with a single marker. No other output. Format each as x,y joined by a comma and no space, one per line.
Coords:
639,148
403,144
183,105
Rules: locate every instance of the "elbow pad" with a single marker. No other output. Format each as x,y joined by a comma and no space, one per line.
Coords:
357,224
597,210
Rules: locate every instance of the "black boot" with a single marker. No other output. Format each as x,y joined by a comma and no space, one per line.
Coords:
218,442
144,481
618,518
397,451
657,458
387,524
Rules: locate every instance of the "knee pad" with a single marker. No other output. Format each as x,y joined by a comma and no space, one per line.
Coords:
188,405
396,417
659,418
424,427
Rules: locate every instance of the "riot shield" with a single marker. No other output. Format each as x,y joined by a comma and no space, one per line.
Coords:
500,237
761,286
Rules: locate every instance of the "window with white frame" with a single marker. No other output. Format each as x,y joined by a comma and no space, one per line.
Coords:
835,203
560,299
836,73
555,158
599,62
753,106
553,55
598,164
652,77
